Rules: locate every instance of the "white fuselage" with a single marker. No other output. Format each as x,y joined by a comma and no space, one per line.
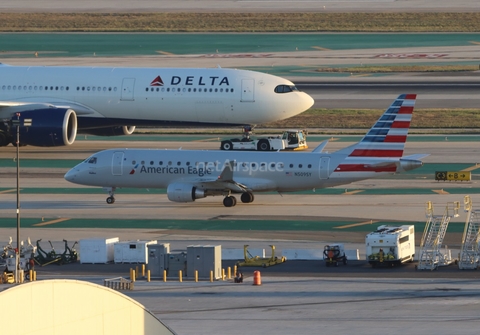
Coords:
150,96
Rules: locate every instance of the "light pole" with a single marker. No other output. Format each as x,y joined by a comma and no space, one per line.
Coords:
26,122
17,251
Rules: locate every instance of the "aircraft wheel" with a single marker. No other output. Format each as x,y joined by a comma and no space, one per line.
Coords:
229,201
247,197
263,145
226,145
110,200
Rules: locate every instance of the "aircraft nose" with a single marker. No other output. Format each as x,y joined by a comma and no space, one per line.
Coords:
71,175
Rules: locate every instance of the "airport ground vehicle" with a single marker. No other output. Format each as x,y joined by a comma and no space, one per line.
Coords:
290,140
333,254
390,245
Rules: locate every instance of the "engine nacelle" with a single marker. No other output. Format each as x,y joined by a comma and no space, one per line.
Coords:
48,127
109,131
180,192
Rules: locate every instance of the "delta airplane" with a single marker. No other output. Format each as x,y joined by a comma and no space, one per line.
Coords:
51,103
189,175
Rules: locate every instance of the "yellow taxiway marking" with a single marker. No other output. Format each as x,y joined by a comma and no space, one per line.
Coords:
320,48
440,191
471,168
352,192
9,191
356,224
46,223
475,42
165,53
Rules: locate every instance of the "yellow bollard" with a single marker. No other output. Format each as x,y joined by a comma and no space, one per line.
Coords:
196,276
134,275
223,274
229,273
180,276
143,270
136,272
34,275
164,276
148,275
211,276
30,275
235,270
131,274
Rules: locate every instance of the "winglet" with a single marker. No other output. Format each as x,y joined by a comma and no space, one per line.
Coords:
227,172
321,146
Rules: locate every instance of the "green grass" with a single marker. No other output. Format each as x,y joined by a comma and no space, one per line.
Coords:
364,118
240,22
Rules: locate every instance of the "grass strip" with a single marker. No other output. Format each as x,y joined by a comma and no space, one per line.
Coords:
240,22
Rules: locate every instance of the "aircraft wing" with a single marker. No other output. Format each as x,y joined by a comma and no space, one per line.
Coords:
223,182
9,108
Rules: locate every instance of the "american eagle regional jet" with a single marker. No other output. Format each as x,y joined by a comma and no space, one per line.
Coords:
51,103
189,175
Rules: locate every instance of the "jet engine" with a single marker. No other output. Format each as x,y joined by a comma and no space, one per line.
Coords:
49,127
109,131
180,192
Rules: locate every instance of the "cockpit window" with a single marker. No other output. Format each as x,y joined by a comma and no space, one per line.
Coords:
91,160
285,89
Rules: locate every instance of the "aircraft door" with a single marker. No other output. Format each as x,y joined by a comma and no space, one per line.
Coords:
324,167
117,163
248,89
127,89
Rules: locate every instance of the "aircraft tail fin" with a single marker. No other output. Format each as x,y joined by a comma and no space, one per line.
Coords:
387,137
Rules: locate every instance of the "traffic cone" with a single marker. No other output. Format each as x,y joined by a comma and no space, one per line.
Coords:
257,279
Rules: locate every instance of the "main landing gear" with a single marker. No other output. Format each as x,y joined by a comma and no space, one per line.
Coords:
111,191
230,200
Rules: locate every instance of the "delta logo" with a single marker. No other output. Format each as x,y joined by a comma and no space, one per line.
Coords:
157,82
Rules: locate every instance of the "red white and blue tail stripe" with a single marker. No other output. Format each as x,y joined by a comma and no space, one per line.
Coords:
385,140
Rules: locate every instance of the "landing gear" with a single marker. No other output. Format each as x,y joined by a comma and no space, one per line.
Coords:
247,197
111,192
229,201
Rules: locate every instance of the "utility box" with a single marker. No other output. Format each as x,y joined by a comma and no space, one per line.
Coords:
132,251
176,262
390,245
204,258
158,258
97,250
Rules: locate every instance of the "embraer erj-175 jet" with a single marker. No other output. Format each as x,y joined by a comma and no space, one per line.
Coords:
190,175
53,102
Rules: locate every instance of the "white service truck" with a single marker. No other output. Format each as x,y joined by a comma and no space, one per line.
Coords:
289,140
390,245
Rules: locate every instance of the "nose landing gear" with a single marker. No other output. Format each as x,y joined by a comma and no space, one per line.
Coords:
111,191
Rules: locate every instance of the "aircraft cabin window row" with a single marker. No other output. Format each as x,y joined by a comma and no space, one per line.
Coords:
280,165
168,89
93,88
34,88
